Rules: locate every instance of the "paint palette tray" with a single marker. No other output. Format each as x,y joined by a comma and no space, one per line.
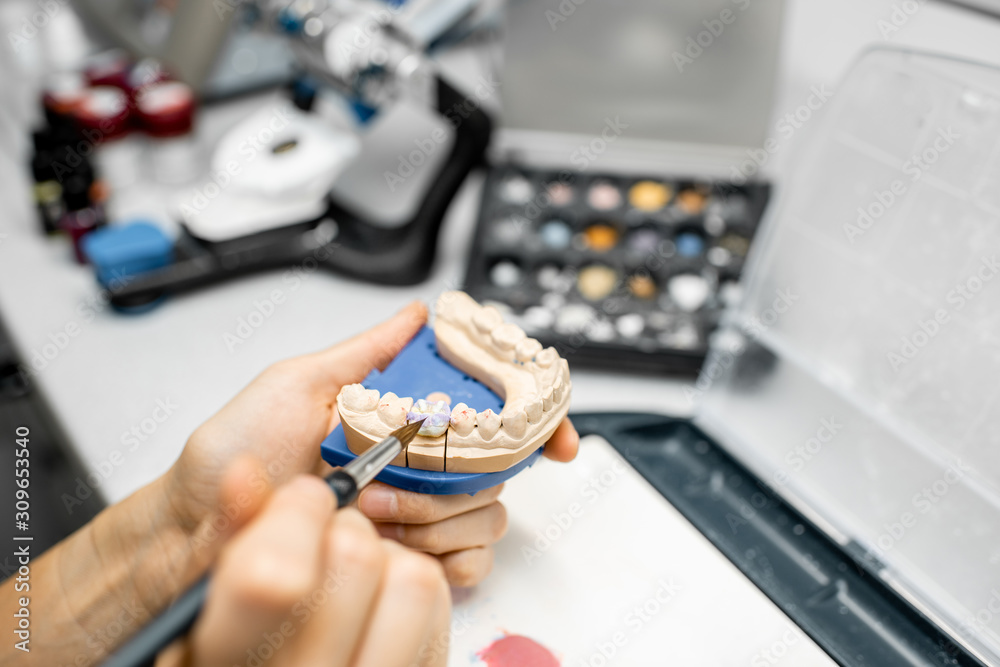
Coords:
619,272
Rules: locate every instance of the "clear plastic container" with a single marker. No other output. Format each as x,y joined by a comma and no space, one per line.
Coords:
861,376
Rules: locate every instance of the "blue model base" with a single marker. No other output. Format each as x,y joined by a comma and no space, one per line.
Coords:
418,371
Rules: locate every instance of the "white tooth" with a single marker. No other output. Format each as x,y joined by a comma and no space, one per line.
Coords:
489,423
564,367
547,399
506,336
557,389
534,410
463,419
487,319
515,422
355,397
392,409
527,349
546,357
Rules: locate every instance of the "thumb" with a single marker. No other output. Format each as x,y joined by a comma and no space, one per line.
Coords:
352,360
244,489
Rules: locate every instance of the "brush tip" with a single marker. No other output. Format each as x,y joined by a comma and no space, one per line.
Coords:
406,433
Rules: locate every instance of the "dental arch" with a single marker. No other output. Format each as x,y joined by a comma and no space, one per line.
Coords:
534,383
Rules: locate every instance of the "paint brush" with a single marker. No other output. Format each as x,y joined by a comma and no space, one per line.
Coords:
346,483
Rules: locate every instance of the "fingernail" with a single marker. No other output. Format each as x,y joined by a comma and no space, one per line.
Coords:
379,502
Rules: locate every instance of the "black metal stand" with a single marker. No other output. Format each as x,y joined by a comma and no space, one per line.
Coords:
400,256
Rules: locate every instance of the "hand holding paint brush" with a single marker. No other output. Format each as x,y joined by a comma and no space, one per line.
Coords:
283,565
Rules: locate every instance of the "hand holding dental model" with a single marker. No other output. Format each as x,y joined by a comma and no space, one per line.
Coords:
239,500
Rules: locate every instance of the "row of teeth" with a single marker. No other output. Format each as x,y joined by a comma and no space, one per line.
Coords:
509,340
392,409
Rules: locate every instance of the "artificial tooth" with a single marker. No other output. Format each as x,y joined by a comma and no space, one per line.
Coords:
506,336
534,410
557,388
547,399
436,416
527,349
546,357
515,423
392,409
488,423
355,397
487,319
463,419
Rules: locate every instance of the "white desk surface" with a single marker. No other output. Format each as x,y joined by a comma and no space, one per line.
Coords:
110,376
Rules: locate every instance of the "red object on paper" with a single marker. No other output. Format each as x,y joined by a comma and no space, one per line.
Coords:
517,651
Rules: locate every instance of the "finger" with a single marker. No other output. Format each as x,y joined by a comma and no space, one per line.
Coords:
434,652
353,359
175,655
467,567
381,502
564,443
477,528
336,614
408,612
263,572
245,487
243,491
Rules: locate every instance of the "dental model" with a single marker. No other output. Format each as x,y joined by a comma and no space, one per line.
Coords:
533,382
